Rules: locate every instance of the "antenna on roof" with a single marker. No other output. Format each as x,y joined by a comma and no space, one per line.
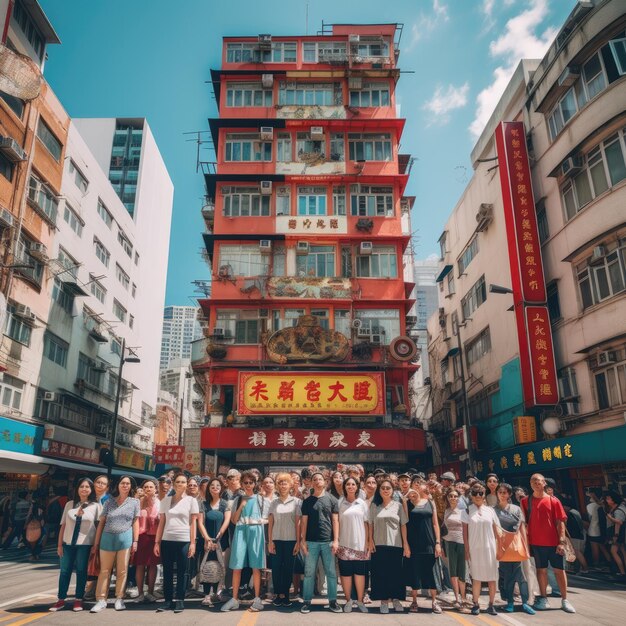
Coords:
306,23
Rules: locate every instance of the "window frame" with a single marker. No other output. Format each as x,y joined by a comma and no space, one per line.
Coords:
244,257
358,142
49,140
241,143
378,255
319,257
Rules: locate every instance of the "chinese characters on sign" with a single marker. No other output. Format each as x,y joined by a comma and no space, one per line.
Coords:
310,393
524,429
517,461
50,447
541,355
170,455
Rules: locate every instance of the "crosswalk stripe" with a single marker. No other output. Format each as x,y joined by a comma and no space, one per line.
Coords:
29,618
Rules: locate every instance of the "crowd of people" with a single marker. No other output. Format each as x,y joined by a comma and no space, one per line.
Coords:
376,535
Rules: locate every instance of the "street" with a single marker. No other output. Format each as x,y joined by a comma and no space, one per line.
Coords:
27,590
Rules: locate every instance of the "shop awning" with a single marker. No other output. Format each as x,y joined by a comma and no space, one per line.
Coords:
445,270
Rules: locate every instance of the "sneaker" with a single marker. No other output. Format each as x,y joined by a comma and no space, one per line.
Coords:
397,606
132,592
491,610
59,605
566,605
179,606
231,605
384,608
509,608
119,605
541,603
245,594
347,607
334,607
277,601
99,606
437,610
286,602
140,599
77,606
257,604
528,609
361,606
306,607
475,609
149,598
166,606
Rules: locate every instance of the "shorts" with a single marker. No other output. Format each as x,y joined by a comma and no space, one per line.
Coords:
248,547
599,539
456,559
545,555
353,568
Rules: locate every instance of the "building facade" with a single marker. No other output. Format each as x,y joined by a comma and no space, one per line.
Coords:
307,227
570,104
180,328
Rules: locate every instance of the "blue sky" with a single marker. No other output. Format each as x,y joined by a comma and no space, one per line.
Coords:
151,58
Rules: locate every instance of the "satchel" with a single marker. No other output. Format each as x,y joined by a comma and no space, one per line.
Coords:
211,571
93,565
33,531
568,549
512,547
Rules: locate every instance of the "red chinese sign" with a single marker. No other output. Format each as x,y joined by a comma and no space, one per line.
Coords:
305,393
458,441
527,279
62,450
409,439
171,455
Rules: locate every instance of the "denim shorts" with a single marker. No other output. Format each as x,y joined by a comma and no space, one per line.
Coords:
112,542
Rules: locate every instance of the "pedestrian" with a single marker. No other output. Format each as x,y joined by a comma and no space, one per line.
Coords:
518,494
145,558
101,485
546,535
34,531
576,531
18,517
175,542
193,490
388,544
370,487
596,532
491,481
248,544
213,524
336,485
424,539
455,549
165,487
511,573
447,480
284,537
616,516
204,485
353,554
319,538
404,484
54,513
76,537
116,538
480,528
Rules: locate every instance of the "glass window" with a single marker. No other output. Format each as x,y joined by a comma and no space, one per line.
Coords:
54,146
604,277
474,297
248,95
119,311
381,263
339,200
370,95
307,148
247,147
97,289
104,213
385,323
123,240
478,347
243,260
312,201
322,316
468,255
55,349
15,104
11,390
6,167
370,147
81,182
17,328
615,159
618,47
283,201
43,199
593,74
62,297
122,277
371,201
312,94
554,306
342,321
284,152
542,223
245,202
337,147
318,263
72,219
101,252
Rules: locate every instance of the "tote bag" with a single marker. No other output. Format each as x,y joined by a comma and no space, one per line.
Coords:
512,546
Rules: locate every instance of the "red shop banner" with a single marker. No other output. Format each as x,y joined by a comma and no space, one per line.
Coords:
62,450
458,440
171,455
409,439
541,351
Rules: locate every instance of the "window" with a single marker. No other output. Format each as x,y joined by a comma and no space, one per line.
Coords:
97,289
101,252
15,104
324,52
284,152
283,52
122,277
243,326
123,240
87,371
604,277
337,147
6,167
311,200
443,249
49,140
17,328
119,311
103,212
468,254
134,290
55,349
289,318
381,263
554,307
72,219
318,94
368,49
568,390
342,321
371,201
283,201
383,322
131,321
68,262
339,200
136,258
307,148
542,222
245,202
81,182
280,52
31,268
248,95
593,76
11,390
478,347
247,147
319,262
618,48
244,260
43,199
370,95
451,286
474,297
29,29
370,147
62,297
279,261
611,381
322,316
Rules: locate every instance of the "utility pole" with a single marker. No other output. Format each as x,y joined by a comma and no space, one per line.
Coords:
466,413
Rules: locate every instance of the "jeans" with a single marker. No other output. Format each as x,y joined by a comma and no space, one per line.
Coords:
73,557
282,566
511,573
175,552
317,549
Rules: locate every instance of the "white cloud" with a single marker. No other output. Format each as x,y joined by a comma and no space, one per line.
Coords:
519,40
444,101
426,23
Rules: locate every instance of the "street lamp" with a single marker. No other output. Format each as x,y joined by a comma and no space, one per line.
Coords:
499,289
129,359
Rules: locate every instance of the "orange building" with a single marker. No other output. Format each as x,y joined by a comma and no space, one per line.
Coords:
307,354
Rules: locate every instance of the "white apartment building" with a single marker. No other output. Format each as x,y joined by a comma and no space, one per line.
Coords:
180,328
177,380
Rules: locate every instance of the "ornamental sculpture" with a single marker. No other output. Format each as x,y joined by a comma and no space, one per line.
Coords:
307,341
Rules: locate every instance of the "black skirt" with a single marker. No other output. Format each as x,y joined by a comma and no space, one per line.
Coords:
387,574
418,571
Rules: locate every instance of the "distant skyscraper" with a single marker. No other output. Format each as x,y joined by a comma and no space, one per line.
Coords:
427,296
180,328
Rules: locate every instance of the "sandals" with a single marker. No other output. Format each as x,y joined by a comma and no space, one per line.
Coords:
413,608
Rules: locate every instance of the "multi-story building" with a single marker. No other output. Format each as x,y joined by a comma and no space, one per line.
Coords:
306,230
543,383
177,380
180,328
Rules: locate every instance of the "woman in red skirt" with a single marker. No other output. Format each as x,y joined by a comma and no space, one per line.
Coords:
144,557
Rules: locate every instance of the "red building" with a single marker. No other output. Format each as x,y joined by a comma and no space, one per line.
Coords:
307,355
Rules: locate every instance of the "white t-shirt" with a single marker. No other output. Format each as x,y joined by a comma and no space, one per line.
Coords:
89,519
352,518
454,520
178,518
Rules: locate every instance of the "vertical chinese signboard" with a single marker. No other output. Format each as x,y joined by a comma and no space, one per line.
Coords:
534,333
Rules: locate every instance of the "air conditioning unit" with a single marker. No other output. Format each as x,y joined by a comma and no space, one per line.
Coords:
38,251
606,357
267,133
317,132
376,339
265,246
49,396
366,247
218,332
358,59
357,323
363,333
267,80
484,217
355,82
569,76
354,38
302,247
598,254
572,165
23,311
103,429
11,149
266,187
6,218
264,314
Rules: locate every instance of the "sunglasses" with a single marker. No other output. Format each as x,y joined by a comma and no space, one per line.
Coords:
387,488
478,493
248,482
451,497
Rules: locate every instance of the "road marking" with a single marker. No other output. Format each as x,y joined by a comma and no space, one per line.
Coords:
249,618
30,618
7,618
511,620
488,620
41,594
461,620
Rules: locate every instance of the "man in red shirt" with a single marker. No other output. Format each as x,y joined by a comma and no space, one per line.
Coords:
546,536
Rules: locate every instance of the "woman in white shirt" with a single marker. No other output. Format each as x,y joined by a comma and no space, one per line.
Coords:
76,539
176,542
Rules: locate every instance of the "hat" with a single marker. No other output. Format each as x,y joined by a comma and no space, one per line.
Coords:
419,475
232,473
448,476
404,475
204,479
165,479
378,470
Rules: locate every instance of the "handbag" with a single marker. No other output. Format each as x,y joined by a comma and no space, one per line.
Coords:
93,565
211,571
512,547
33,531
568,549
